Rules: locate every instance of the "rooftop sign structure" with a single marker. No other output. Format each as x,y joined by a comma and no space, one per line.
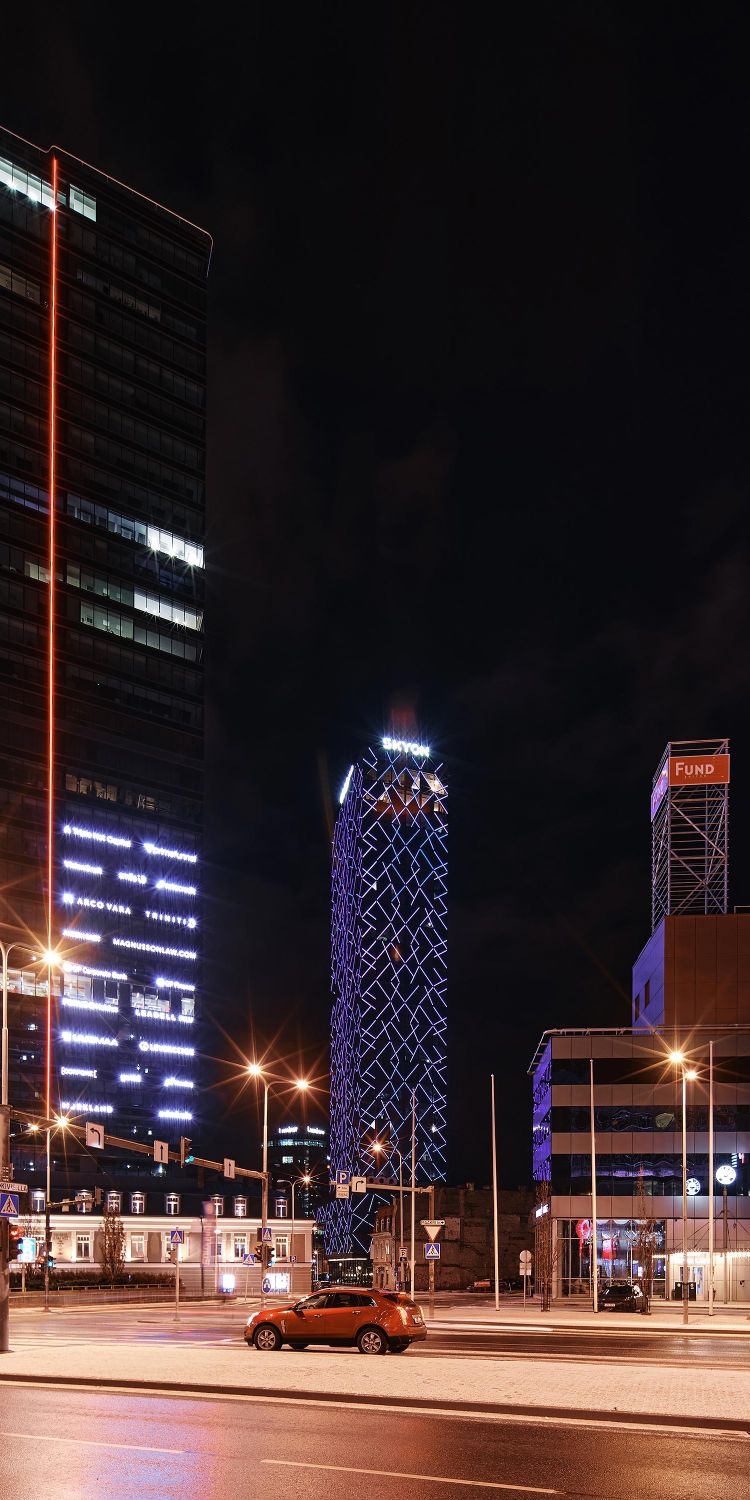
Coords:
404,747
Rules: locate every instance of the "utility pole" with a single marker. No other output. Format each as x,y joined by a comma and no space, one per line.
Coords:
4,1232
494,1202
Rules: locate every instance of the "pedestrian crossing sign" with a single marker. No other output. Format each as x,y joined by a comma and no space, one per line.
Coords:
9,1205
432,1250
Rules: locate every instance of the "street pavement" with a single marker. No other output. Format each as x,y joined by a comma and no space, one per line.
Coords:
467,1336
77,1445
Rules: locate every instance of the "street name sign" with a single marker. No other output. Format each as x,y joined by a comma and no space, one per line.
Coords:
176,1236
433,1226
14,1187
432,1250
9,1205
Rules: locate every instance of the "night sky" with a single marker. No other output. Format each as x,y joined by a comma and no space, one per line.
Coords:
478,443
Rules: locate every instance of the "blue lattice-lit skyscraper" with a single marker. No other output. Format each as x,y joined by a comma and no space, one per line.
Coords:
389,950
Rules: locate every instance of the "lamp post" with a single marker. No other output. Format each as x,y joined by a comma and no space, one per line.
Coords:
494,1199
376,1148
688,1075
291,1182
301,1084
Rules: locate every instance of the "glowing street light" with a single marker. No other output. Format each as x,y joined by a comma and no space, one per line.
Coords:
677,1057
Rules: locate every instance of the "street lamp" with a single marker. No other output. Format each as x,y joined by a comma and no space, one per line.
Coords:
376,1148
677,1058
304,1181
255,1070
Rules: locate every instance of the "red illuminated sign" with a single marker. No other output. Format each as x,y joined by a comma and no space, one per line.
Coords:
692,770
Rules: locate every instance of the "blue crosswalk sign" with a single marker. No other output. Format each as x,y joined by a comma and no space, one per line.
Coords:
267,1235
9,1205
176,1236
432,1251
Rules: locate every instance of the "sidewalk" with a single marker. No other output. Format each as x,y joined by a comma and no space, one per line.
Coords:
651,1391
665,1317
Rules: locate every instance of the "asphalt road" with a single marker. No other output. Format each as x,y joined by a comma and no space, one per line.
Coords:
219,1327
78,1444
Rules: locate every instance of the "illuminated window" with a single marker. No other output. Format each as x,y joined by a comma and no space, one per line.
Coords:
83,1247
217,1203
114,1201
84,1202
281,1208
240,1208
281,1246
240,1246
21,181
137,1241
172,1203
82,203
138,1204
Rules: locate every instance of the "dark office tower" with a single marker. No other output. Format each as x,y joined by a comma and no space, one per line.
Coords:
389,951
102,522
689,830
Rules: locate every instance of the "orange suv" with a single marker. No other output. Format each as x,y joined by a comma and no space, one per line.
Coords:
375,1321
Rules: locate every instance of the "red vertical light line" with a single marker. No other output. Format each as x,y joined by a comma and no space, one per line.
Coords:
51,631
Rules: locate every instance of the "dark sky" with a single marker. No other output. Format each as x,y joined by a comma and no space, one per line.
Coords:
478,440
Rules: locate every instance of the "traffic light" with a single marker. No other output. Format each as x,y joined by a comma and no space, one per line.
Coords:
258,1251
14,1241
186,1150
98,1197
172,1255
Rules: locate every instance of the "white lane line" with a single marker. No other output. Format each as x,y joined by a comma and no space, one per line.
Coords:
46,1437
477,1484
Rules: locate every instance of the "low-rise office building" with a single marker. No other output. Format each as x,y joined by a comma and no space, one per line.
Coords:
465,1240
212,1254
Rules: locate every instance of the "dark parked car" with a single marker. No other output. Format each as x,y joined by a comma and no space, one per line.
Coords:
620,1296
486,1284
377,1322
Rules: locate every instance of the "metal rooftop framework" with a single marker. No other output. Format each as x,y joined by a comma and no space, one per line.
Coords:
689,830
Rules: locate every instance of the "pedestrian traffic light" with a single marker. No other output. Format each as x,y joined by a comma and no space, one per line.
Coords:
14,1241
172,1254
186,1150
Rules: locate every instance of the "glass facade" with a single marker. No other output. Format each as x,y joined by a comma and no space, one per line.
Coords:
389,977
126,283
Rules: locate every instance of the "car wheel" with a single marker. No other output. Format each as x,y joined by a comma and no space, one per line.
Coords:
399,1346
297,1345
371,1341
267,1337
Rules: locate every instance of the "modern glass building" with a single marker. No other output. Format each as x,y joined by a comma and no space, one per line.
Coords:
297,1151
102,526
389,957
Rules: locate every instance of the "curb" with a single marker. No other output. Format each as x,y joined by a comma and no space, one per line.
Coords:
407,1403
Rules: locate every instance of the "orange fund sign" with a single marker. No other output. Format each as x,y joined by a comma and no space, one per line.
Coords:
698,770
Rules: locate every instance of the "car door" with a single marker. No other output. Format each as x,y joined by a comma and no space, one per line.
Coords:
339,1316
364,1310
307,1324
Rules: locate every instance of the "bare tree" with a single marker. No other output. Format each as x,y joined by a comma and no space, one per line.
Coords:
645,1243
545,1258
113,1244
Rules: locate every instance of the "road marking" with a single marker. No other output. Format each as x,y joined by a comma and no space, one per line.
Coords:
46,1437
477,1484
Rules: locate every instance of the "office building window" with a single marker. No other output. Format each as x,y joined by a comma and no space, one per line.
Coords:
281,1208
137,1203
281,1246
114,1202
173,1203
137,1247
240,1246
82,203
240,1208
83,1247
217,1204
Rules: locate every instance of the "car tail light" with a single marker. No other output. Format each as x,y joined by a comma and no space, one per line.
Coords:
404,1315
